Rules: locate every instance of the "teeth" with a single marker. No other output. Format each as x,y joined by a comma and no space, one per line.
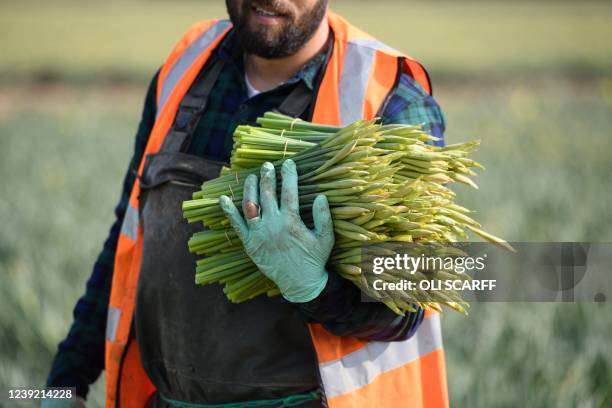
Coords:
264,12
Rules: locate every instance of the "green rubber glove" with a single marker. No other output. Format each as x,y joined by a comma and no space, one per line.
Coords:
278,242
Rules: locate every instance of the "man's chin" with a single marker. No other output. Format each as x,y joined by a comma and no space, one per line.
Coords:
267,31
263,36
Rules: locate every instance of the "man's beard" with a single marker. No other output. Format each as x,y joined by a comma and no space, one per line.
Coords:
287,39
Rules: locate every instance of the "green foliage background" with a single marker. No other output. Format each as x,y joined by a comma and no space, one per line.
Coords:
533,80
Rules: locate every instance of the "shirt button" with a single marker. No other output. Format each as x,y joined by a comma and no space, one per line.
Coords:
243,107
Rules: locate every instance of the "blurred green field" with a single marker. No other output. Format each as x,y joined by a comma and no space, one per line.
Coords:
64,147
129,39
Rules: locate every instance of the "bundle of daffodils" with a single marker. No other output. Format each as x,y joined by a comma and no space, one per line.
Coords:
384,183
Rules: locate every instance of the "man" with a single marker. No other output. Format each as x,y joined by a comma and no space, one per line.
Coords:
172,343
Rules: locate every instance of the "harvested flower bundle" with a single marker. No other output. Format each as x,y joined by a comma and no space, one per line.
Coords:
384,183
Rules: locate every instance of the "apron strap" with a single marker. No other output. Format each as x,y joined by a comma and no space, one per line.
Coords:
191,108
290,401
297,101
194,103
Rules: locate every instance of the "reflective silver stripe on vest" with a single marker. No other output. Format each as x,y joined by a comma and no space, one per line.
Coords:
187,58
361,367
373,43
112,322
358,62
130,223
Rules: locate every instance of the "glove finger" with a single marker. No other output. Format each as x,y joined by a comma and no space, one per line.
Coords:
289,193
231,212
323,224
250,200
267,190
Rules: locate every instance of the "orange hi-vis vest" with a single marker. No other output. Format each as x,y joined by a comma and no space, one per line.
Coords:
360,74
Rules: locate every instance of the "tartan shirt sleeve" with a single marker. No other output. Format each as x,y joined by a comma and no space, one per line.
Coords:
80,356
410,104
339,308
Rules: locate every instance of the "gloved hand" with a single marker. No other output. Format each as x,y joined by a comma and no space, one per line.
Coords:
278,242
57,403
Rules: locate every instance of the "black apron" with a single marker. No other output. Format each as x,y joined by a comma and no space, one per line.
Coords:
195,345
